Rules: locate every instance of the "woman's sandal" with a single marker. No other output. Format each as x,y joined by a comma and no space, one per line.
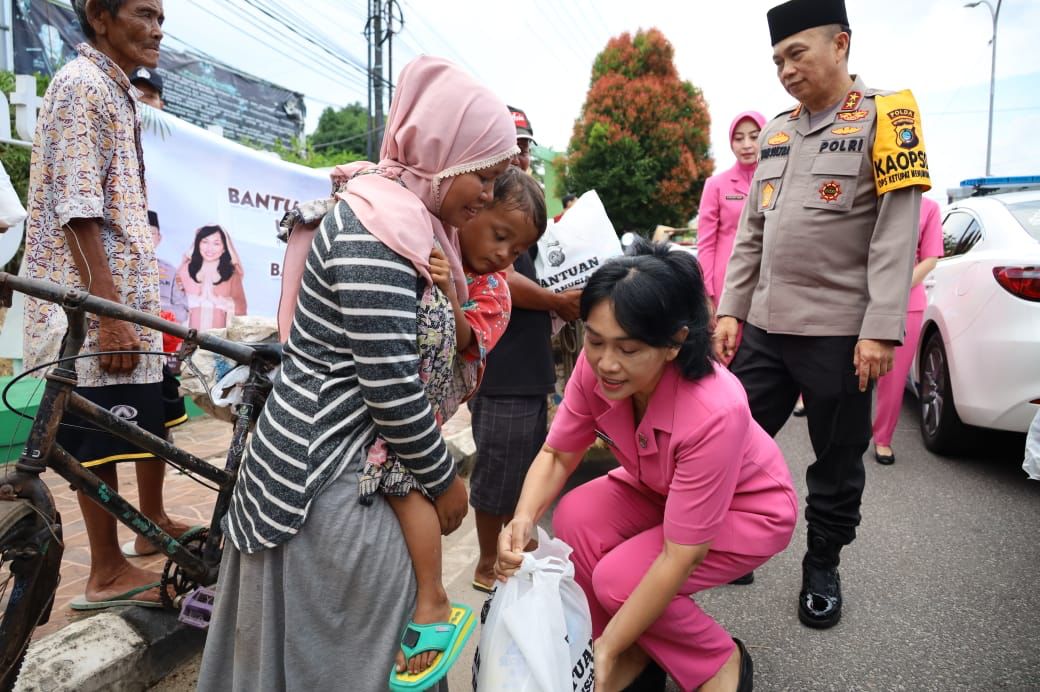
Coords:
482,588
446,637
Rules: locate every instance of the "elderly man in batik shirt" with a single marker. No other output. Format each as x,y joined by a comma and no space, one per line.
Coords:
88,227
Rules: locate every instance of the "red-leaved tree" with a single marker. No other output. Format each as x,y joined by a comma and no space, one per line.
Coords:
642,139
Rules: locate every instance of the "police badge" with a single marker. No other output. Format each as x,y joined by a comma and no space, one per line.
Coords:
555,254
903,121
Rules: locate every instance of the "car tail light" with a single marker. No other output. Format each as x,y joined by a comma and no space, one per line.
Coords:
1023,282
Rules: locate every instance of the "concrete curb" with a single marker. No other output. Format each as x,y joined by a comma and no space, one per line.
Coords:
463,449
118,652
131,649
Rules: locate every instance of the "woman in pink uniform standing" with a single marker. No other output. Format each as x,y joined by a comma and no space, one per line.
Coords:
723,200
703,494
890,387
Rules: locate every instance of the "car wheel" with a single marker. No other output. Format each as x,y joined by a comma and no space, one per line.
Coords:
941,428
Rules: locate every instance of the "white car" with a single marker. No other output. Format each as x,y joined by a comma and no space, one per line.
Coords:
978,362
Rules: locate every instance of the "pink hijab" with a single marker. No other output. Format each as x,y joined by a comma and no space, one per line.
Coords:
442,123
746,170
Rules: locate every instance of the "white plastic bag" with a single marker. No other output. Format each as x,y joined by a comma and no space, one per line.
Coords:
12,212
212,392
536,633
1031,465
573,248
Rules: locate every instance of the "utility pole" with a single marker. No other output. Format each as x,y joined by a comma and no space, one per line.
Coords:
995,15
384,20
377,66
394,25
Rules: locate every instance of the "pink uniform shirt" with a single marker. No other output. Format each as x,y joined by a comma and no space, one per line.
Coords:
719,476
721,204
929,244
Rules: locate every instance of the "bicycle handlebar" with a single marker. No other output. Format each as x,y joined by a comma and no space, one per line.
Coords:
78,299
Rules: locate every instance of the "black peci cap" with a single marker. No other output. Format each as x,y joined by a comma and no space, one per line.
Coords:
798,15
153,218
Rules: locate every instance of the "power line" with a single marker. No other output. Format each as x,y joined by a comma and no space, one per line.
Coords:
194,51
346,59
317,67
347,139
272,26
326,39
450,51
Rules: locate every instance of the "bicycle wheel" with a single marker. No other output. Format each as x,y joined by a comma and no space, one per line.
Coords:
30,559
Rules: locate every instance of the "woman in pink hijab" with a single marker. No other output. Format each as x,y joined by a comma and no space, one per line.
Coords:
315,588
723,200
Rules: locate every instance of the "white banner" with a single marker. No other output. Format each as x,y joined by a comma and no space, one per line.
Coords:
218,205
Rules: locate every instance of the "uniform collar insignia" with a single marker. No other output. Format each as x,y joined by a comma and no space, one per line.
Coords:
851,101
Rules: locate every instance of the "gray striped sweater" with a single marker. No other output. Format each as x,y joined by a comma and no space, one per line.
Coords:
349,371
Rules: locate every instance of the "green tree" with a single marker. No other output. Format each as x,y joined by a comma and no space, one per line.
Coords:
642,139
341,131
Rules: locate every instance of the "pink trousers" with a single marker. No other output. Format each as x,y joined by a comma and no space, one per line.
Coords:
890,387
613,550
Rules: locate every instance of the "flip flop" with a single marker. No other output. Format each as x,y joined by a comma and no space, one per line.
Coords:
124,599
129,550
446,637
483,588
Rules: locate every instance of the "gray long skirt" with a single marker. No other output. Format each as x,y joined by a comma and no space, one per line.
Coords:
323,611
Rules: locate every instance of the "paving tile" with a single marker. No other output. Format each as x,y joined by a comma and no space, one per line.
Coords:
185,500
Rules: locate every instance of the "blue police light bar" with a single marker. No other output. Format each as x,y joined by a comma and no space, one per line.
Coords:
1001,182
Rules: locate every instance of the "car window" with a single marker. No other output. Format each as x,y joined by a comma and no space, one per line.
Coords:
1028,214
960,233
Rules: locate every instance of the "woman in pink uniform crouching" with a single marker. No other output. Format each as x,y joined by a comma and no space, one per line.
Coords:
702,495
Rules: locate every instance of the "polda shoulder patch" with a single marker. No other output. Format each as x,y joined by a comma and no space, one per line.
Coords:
899,156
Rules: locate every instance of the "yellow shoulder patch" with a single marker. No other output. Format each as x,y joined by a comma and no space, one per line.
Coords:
899,156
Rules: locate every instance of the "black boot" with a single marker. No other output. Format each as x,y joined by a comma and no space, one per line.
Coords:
819,603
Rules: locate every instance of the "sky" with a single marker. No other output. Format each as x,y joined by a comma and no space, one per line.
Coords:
538,55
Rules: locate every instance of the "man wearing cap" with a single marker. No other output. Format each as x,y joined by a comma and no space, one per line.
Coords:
820,274
510,410
149,86
524,139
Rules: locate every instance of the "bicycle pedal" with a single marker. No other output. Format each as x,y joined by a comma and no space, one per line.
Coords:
197,608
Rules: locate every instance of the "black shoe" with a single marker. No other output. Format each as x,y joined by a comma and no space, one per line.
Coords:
748,578
652,679
747,669
819,603
884,459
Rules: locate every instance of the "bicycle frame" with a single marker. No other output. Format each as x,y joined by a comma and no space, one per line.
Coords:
42,452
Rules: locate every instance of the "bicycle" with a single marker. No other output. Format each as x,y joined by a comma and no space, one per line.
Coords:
30,527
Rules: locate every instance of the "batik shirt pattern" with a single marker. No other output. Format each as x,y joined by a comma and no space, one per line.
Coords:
87,164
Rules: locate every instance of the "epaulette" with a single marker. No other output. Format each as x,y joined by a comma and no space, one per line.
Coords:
795,110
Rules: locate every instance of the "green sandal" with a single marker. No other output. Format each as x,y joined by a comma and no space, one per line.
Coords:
446,637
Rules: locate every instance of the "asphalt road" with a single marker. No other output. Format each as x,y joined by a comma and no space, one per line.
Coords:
942,587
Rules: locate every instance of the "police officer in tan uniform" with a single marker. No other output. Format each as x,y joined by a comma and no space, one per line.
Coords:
820,273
